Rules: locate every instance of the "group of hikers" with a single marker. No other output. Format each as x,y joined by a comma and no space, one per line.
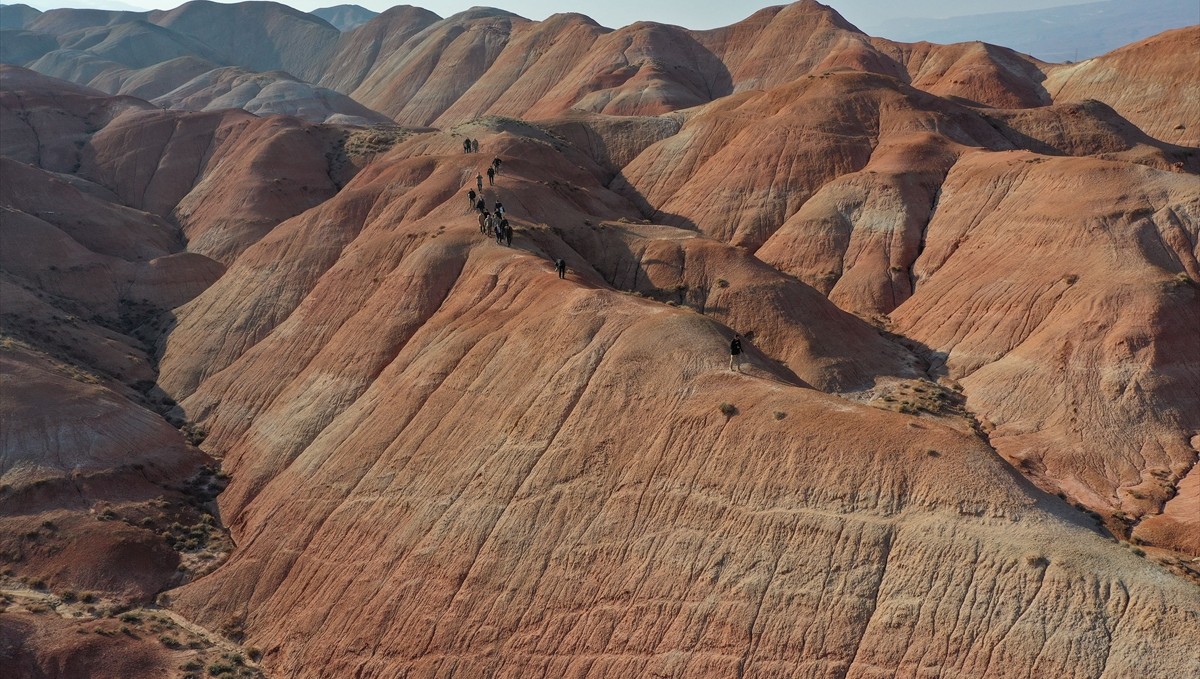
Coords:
493,223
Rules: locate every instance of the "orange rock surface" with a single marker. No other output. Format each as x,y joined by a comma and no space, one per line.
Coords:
963,291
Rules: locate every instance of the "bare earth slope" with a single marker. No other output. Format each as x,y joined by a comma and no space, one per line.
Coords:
962,293
1166,105
560,534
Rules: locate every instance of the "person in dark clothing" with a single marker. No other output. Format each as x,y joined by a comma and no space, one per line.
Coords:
735,353
508,232
561,267
471,198
466,146
491,172
499,231
496,164
481,205
479,182
500,208
474,146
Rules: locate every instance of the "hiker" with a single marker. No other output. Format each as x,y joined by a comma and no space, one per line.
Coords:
483,222
466,146
508,233
471,199
474,146
500,208
561,267
491,176
496,164
479,182
481,205
499,231
735,353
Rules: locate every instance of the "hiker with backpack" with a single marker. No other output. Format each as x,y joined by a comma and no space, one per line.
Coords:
735,353
560,266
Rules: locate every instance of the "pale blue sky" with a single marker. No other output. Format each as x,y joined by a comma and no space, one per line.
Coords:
616,13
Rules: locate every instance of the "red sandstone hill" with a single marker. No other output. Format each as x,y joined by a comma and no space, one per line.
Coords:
439,459
419,69
1166,105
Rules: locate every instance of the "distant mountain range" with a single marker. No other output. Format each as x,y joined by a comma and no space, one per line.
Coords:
1057,34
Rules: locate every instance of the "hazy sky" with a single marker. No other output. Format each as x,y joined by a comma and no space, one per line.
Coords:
617,13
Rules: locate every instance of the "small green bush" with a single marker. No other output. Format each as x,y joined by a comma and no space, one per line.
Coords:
728,409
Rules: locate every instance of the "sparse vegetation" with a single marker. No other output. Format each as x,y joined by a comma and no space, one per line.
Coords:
728,409
373,141
193,433
722,283
779,414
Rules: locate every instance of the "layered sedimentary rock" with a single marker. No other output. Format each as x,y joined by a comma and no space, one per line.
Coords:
960,295
520,515
266,94
1165,105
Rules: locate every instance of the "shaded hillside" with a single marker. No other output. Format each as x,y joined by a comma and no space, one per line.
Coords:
17,16
345,17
